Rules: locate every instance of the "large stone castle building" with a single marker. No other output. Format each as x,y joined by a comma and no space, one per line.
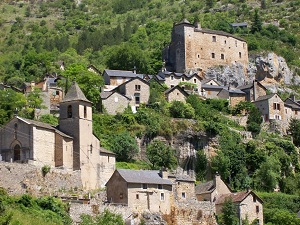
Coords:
193,49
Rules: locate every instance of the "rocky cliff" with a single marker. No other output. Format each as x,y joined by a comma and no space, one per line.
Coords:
271,69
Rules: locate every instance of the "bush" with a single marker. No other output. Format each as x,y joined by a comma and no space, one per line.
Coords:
179,109
45,170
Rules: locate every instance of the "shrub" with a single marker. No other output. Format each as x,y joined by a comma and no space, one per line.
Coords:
45,169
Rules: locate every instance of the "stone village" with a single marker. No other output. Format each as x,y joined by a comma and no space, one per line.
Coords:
72,146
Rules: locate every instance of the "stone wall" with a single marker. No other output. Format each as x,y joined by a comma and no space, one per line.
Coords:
24,178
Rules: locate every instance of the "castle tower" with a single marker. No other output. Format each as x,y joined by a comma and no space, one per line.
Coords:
76,121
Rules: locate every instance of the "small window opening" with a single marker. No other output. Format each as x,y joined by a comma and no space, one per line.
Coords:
213,55
69,111
85,112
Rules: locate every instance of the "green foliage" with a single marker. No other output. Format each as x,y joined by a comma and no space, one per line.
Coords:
125,146
229,216
49,118
179,109
45,169
201,165
105,218
160,155
294,129
257,22
28,210
135,165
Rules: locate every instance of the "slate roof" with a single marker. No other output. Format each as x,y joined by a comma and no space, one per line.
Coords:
120,73
186,22
103,150
75,94
107,94
236,91
205,81
265,97
163,74
247,86
143,177
206,187
243,24
208,86
43,125
290,103
176,87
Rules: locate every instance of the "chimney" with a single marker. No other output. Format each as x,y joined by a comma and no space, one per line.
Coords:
134,69
217,179
163,173
197,25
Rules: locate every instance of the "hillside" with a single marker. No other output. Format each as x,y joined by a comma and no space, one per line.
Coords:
35,35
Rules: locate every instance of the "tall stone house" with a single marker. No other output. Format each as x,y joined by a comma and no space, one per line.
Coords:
248,204
153,190
194,49
71,145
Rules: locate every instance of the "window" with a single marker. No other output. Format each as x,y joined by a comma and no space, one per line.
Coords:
57,92
137,99
121,195
214,38
254,199
235,43
85,112
137,196
222,56
162,196
172,86
277,117
172,77
276,106
183,194
213,55
198,56
225,42
159,186
195,81
240,55
91,148
137,87
182,78
145,186
257,209
69,111
296,112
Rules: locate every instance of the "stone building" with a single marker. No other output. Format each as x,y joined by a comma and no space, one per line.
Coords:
195,49
51,94
140,190
234,96
291,109
71,145
114,102
172,79
253,90
176,93
271,107
248,204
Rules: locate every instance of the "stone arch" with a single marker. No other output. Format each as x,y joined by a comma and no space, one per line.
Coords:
16,150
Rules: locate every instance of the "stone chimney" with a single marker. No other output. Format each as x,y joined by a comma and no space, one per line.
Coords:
134,70
217,179
197,25
164,173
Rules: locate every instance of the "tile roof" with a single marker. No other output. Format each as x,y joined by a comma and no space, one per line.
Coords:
43,125
205,187
236,197
143,177
75,94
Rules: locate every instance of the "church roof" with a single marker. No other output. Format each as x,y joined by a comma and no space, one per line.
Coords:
75,94
42,125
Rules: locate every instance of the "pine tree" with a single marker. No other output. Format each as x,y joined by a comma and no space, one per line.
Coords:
257,22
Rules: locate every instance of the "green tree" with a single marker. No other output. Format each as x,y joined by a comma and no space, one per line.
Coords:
124,145
161,155
294,129
229,216
267,176
89,82
105,218
179,109
201,165
257,22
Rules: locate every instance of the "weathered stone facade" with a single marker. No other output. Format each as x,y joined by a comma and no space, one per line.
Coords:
270,107
195,49
114,102
176,94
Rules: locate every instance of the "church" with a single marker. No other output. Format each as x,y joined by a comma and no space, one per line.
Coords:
71,145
